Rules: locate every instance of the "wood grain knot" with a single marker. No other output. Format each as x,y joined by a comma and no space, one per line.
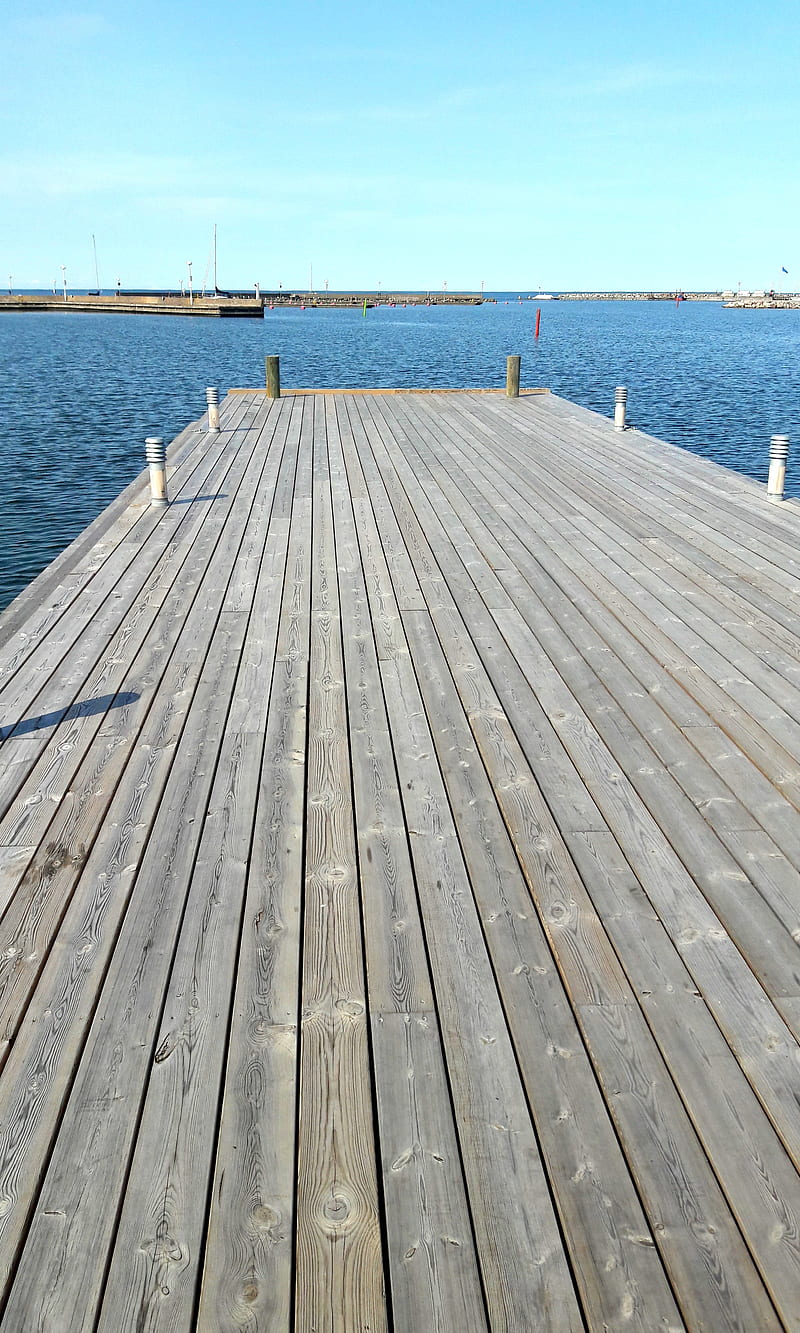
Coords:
337,1211
163,1249
265,1218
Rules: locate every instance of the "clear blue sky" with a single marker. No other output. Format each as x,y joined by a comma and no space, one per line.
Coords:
567,145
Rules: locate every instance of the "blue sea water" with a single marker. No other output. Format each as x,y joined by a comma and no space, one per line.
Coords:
82,392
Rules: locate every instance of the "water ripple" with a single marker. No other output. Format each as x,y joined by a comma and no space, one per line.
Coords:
84,391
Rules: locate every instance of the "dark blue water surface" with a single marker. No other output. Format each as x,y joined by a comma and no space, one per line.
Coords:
83,391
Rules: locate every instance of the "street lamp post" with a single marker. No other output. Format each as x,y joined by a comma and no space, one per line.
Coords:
64,279
191,293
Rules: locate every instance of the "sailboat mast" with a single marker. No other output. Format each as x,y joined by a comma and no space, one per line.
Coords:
96,269
215,259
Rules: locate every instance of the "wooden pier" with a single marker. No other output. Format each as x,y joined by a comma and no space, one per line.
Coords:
233,305
136,303
399,856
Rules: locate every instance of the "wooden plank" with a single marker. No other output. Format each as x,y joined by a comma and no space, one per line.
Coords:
495,1132
774,955
710,502
778,879
154,1266
566,792
615,544
433,1269
765,751
339,1280
759,526
393,548
432,1265
103,1108
598,1206
750,595
65,1208
14,861
695,827
411,534
576,453
773,811
437,861
679,1192
752,1167
579,738
248,1255
427,669
44,892
720,971
397,969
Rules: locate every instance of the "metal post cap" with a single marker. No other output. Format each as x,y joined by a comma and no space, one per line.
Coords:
620,395
154,449
779,448
212,397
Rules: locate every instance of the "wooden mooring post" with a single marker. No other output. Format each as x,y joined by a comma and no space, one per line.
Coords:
273,364
512,376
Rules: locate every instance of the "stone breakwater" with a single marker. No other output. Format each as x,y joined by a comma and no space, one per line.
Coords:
764,303
640,296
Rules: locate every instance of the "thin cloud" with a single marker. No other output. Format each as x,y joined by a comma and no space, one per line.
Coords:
643,78
78,175
54,31
411,112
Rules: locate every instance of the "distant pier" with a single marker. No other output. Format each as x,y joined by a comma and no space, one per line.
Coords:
236,305
137,303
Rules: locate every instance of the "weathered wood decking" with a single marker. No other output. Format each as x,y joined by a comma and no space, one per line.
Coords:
399,850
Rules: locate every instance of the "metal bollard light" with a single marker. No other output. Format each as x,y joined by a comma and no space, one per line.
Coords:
778,456
620,407
157,459
212,400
